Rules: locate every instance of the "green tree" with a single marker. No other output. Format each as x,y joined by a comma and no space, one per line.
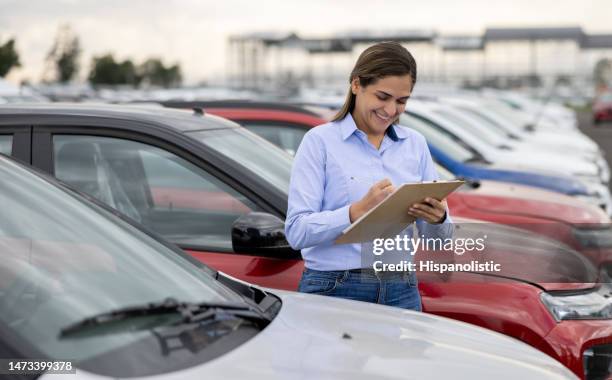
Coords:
64,55
106,71
8,57
154,72
129,73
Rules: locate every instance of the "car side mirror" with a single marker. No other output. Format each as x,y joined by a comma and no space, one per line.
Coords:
261,234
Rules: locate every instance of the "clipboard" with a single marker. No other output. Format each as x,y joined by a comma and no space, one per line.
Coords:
390,217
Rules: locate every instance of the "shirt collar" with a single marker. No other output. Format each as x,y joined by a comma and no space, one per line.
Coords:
396,133
348,127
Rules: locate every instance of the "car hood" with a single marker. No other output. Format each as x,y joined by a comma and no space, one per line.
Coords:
500,197
317,337
522,255
542,163
558,148
574,139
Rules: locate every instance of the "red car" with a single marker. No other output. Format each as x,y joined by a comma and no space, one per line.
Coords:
602,108
220,193
284,125
583,227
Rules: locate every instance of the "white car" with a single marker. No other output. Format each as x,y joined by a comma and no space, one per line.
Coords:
496,122
80,285
540,162
316,337
539,114
508,120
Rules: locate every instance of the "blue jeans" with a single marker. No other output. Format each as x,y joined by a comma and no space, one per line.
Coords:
386,288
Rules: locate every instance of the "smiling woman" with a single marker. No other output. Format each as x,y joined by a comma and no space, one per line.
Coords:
344,168
379,104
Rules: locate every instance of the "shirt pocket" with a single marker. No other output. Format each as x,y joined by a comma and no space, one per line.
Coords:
336,191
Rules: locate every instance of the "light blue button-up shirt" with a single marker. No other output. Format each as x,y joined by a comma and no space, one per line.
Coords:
334,167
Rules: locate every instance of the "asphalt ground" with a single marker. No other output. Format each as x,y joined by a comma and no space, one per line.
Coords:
600,133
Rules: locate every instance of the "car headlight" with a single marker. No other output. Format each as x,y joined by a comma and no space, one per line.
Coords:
594,200
598,362
598,194
594,237
592,304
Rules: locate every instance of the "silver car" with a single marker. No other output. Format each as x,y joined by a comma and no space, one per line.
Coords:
81,285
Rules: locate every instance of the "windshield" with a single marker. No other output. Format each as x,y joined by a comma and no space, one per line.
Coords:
441,141
475,124
516,117
490,119
63,259
286,137
259,156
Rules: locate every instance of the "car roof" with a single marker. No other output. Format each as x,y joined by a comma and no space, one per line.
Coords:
180,120
262,105
242,115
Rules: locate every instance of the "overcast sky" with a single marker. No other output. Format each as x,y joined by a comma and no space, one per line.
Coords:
194,33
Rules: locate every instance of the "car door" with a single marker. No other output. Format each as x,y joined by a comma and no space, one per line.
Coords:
165,192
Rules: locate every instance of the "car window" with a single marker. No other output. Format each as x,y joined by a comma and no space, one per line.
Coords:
506,111
476,125
270,163
156,188
286,137
488,120
6,144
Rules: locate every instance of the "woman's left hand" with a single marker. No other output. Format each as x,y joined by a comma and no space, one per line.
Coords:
431,210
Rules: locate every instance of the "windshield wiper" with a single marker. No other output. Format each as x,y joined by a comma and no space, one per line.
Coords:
189,313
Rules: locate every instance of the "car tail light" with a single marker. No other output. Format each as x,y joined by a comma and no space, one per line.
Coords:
598,362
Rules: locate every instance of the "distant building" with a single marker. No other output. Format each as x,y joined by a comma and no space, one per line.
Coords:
499,57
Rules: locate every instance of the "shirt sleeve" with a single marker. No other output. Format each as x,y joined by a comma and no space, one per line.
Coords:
307,225
445,229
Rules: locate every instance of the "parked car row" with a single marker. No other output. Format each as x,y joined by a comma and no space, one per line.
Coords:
471,146
539,211
79,282
220,193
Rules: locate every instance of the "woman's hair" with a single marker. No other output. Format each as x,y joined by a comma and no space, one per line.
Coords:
378,61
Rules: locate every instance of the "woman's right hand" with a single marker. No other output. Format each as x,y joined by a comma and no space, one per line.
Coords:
377,193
